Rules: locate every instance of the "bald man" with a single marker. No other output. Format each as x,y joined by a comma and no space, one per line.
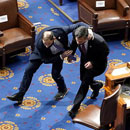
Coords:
46,52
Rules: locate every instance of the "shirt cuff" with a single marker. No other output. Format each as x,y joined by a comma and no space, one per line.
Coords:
61,57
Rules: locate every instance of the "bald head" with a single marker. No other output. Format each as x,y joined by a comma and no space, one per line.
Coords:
48,35
48,38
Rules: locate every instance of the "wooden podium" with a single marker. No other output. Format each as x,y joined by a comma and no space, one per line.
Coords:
118,75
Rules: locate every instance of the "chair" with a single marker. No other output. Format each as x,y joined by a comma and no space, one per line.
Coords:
104,15
17,32
97,117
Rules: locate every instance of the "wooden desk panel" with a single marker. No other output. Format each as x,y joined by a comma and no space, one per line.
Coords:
123,106
112,80
120,121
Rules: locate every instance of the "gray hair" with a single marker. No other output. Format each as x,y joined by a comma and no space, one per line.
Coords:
81,31
48,35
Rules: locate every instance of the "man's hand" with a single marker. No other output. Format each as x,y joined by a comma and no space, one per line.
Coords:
66,53
88,65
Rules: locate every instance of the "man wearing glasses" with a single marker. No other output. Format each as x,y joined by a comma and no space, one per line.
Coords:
94,51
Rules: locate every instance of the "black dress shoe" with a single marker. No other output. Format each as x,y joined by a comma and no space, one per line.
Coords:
96,91
94,94
16,97
72,114
60,95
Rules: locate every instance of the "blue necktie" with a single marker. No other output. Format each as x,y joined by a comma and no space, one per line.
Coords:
62,49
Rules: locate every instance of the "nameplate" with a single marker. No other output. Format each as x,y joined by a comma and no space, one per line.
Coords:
36,23
120,71
3,18
100,3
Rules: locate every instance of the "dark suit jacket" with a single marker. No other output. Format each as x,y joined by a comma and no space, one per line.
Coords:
43,53
97,52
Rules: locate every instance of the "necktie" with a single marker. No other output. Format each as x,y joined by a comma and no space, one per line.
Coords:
62,49
83,49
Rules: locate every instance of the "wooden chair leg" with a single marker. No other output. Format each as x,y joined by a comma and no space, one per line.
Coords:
60,2
3,58
33,41
32,47
126,32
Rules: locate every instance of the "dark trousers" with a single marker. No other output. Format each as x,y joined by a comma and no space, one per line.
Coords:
32,68
87,79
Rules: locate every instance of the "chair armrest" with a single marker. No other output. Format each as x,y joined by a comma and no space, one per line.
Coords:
26,25
122,7
1,34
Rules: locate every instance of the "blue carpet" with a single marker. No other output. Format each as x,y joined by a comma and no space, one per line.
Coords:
69,7
39,111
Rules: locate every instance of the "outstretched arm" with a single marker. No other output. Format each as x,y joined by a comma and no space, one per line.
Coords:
70,28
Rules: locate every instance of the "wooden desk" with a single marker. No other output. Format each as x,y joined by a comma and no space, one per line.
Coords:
123,108
113,80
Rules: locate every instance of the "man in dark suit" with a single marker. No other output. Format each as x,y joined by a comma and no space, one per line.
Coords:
94,52
46,51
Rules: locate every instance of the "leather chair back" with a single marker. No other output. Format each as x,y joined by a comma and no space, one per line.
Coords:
97,117
109,4
109,107
5,13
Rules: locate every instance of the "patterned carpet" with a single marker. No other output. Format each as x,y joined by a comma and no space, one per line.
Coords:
39,111
66,8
